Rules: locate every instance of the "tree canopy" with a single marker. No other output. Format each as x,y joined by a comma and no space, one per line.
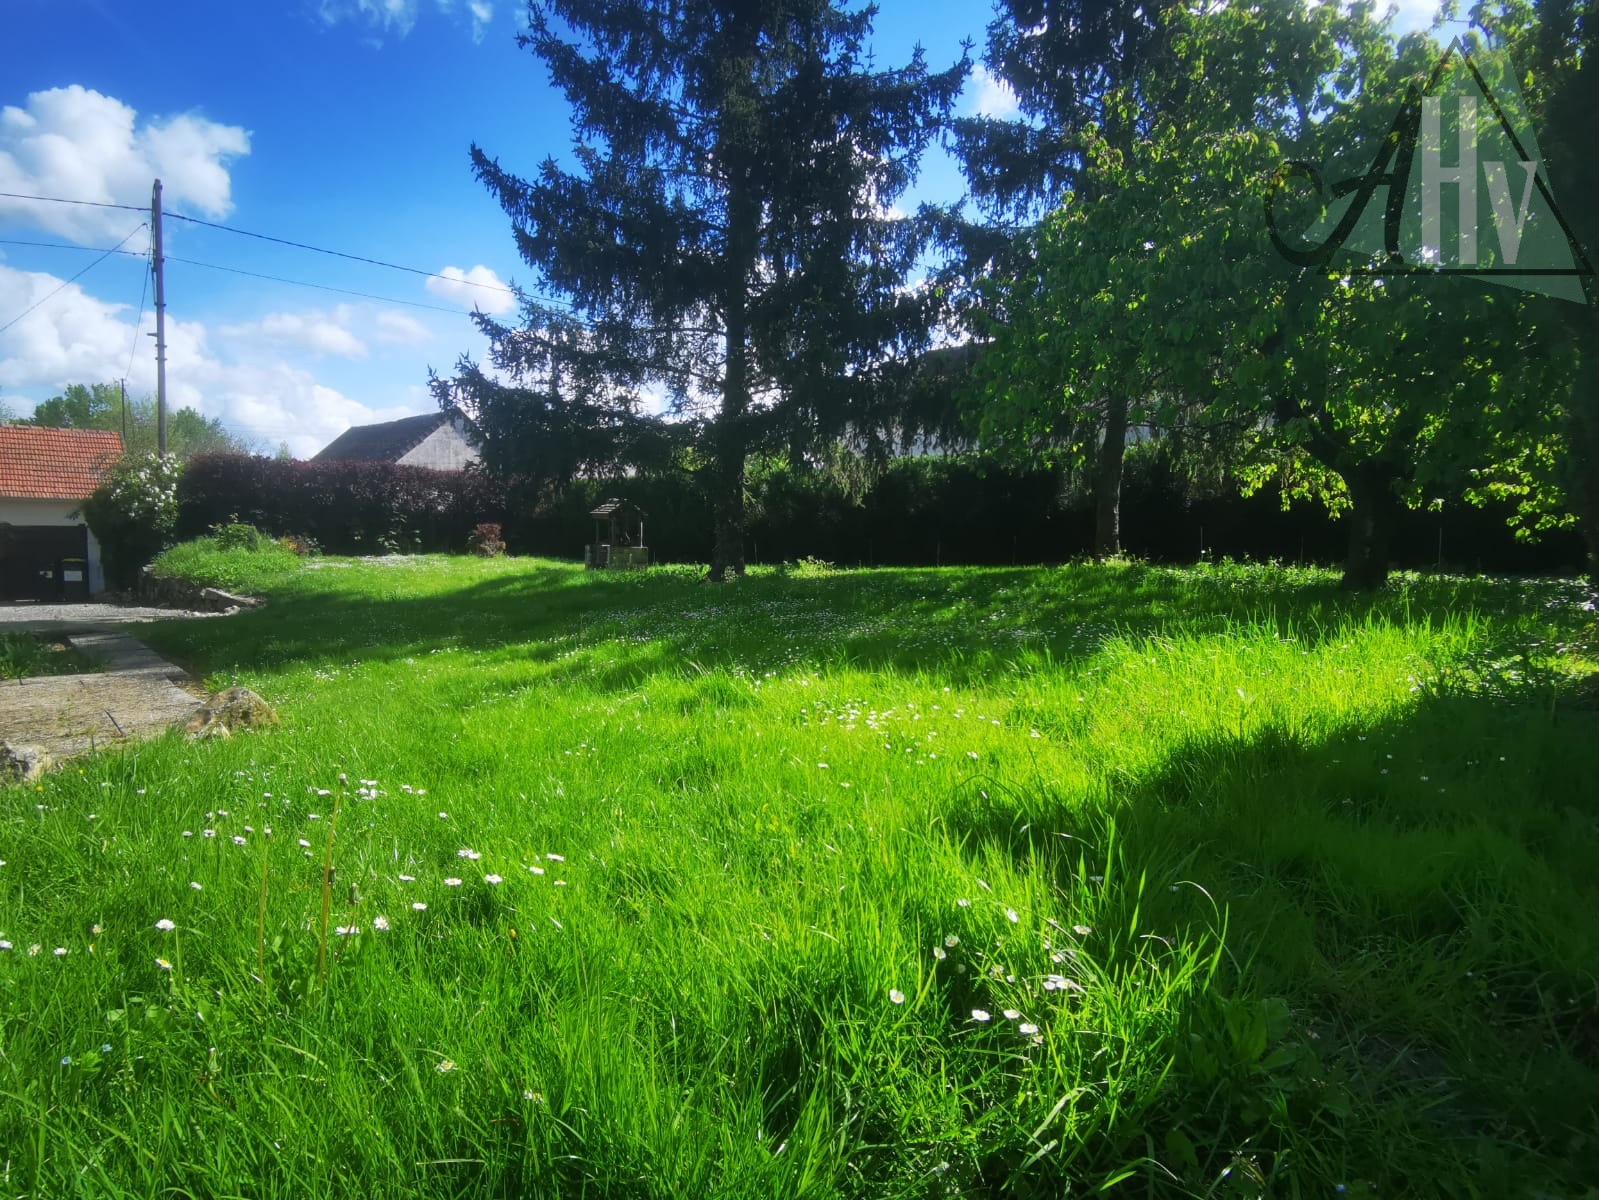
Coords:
723,230
101,406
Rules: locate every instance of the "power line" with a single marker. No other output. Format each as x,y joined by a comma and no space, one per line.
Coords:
144,288
73,280
360,258
321,287
266,237
300,246
84,203
233,270
69,246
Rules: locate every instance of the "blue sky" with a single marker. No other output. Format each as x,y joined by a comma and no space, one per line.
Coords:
344,124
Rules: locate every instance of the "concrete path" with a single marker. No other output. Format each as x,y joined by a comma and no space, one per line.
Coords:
137,696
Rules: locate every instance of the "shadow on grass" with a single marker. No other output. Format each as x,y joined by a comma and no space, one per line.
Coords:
961,623
1421,893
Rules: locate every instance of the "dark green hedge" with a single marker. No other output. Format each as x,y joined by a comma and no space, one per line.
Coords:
967,509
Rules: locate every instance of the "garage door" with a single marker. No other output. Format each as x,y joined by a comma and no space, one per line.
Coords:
44,562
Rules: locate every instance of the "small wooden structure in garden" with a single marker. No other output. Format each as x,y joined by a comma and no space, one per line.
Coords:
618,538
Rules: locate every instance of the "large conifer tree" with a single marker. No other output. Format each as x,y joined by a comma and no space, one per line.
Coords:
725,228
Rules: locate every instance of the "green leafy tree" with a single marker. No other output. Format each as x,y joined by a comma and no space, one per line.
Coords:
1131,300
1556,43
1087,75
1157,282
81,406
101,406
726,230
1383,393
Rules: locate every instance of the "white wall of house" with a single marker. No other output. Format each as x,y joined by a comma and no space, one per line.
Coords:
445,449
53,512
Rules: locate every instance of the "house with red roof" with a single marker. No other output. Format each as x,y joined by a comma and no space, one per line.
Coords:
47,552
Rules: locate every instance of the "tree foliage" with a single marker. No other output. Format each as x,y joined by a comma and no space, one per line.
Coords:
723,230
101,406
1152,292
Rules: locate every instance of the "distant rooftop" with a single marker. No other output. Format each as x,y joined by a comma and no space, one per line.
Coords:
389,441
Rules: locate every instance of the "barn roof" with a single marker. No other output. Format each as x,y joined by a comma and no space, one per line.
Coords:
388,441
54,464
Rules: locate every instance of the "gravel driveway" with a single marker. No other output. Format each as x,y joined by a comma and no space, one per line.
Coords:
77,618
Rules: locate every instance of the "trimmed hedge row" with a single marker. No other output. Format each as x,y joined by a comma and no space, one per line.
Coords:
969,510
346,507
918,511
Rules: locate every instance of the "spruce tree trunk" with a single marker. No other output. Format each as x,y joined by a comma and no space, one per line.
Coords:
1108,479
1370,525
727,551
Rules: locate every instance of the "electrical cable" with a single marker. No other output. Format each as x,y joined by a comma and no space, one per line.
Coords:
360,258
266,237
144,290
73,280
84,203
70,246
321,287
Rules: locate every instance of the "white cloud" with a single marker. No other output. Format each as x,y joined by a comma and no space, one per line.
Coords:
75,143
74,338
991,95
399,17
478,288
396,329
482,14
245,380
322,333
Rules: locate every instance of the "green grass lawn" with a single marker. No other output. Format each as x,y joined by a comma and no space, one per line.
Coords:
28,655
1035,882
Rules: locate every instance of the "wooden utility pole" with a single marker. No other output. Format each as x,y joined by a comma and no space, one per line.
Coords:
160,321
124,414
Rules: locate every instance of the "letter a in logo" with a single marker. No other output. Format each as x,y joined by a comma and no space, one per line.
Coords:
1480,203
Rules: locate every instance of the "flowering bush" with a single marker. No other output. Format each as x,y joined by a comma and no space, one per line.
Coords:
133,513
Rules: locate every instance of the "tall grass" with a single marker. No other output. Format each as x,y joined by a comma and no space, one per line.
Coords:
888,883
28,655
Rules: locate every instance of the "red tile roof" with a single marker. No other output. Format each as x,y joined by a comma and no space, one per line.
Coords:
53,464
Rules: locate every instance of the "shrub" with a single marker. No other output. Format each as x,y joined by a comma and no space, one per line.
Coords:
238,536
485,540
341,507
133,513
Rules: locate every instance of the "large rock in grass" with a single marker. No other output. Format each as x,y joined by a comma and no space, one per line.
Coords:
23,764
229,711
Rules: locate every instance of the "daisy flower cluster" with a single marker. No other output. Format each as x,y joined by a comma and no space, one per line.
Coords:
227,831
966,973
